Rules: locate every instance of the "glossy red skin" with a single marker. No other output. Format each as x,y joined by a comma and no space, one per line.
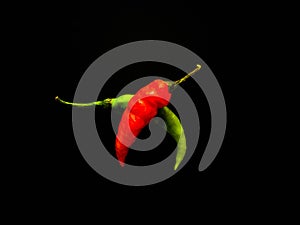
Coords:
141,108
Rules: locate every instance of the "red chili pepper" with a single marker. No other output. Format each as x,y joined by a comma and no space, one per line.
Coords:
141,108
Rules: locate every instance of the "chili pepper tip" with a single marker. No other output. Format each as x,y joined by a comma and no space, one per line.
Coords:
122,164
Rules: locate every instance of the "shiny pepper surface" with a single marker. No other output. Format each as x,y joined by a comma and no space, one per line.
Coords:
141,108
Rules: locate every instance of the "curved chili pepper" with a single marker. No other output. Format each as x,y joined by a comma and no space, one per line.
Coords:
173,125
175,129
141,108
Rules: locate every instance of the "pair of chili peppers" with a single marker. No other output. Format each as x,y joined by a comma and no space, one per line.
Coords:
173,125
139,109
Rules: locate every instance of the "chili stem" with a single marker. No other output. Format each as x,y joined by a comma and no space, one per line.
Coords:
104,102
188,75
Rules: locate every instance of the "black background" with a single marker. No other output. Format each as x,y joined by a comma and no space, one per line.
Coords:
77,35
50,45
86,35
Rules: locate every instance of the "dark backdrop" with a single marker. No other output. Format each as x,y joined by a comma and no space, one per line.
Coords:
78,35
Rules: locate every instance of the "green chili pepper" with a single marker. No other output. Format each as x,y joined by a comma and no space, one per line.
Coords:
175,129
173,125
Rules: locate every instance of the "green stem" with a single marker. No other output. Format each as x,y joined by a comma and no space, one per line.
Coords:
188,75
173,84
105,103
